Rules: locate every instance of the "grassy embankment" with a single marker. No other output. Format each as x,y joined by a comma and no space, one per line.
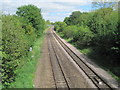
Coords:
91,53
25,73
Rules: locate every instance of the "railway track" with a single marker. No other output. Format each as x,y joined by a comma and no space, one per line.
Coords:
65,73
58,74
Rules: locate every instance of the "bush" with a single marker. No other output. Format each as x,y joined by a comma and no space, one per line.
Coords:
83,36
14,47
29,31
107,38
18,35
59,26
69,31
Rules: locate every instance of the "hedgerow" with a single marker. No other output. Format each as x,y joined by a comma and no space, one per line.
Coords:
19,32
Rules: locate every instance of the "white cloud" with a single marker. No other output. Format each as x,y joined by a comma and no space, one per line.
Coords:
55,18
53,10
105,0
6,1
63,0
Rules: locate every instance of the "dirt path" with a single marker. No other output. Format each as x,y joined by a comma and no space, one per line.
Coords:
44,76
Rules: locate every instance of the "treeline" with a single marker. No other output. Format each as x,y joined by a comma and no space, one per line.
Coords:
19,32
98,29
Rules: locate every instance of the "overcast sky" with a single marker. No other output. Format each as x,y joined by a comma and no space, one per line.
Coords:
53,10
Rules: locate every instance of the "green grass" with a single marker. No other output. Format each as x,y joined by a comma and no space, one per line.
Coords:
62,35
0,85
85,51
25,73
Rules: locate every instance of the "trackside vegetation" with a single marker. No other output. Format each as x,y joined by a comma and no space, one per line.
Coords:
25,72
22,36
96,34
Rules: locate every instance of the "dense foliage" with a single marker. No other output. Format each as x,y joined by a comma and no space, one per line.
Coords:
32,15
98,29
73,19
59,26
69,31
83,36
18,34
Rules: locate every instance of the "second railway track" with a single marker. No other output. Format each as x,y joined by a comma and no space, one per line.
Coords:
70,79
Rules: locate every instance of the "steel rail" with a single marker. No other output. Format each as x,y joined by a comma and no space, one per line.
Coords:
57,58
92,75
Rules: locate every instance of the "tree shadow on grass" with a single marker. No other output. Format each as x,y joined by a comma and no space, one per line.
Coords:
110,63
104,61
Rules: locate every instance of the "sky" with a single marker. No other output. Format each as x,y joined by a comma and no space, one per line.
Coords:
53,10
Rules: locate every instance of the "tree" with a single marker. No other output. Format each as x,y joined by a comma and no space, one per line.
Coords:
83,36
74,18
59,26
32,14
69,31
104,4
18,35
67,20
